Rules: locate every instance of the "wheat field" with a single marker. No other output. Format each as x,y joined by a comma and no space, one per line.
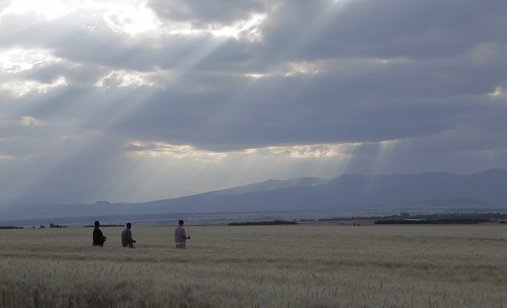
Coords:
307,265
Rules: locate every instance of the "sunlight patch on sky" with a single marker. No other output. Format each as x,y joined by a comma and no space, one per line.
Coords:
311,151
248,29
242,29
393,60
19,88
123,78
302,68
129,17
497,92
291,69
161,149
48,9
133,18
256,75
16,60
30,121
340,3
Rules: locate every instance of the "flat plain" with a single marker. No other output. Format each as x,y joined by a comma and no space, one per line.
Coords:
306,265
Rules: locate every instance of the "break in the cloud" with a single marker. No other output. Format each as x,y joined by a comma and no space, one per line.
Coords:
139,100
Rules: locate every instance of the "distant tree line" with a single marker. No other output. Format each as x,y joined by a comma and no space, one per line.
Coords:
52,225
263,223
446,218
442,217
466,221
105,225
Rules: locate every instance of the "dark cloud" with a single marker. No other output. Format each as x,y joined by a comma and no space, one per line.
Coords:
386,28
428,76
205,13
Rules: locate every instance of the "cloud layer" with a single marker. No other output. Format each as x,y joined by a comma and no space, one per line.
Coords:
139,100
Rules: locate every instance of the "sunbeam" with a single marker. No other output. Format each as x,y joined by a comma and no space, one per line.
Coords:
134,100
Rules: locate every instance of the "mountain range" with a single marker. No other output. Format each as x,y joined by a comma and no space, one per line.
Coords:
353,191
435,191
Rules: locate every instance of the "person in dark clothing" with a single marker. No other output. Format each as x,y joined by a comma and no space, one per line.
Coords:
98,237
180,236
126,237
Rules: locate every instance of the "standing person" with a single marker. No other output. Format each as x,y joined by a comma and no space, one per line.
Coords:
98,236
180,236
126,237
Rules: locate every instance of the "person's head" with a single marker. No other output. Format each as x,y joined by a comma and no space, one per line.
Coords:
97,223
129,225
181,222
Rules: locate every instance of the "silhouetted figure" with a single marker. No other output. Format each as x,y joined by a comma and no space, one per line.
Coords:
180,236
126,237
98,237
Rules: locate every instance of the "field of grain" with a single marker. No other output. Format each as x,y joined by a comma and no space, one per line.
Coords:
258,266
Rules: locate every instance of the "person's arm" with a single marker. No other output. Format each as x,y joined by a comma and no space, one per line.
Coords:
101,236
185,234
129,237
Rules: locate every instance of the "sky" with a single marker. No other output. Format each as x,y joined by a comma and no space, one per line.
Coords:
132,100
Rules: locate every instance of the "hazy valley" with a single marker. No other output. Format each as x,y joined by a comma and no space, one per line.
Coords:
347,195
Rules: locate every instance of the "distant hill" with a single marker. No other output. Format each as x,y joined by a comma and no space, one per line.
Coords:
398,191
425,191
270,185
